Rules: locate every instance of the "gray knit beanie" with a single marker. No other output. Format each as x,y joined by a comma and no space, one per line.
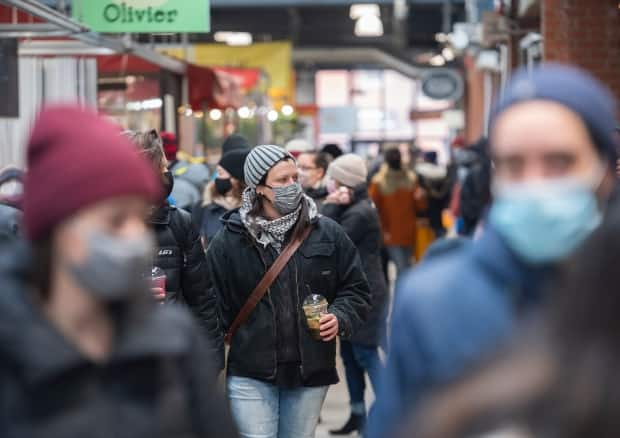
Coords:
260,160
348,169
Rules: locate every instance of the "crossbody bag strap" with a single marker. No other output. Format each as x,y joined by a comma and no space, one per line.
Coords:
261,288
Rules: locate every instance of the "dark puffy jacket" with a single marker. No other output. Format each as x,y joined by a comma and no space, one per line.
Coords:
327,262
180,254
158,382
361,223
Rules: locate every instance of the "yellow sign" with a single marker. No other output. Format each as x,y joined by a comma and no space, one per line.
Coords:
272,58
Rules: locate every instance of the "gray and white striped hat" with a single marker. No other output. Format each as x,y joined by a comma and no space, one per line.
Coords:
260,160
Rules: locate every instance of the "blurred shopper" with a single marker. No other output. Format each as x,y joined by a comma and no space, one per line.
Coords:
553,151
350,206
559,378
312,172
333,150
475,193
221,195
84,350
396,194
179,251
191,177
171,148
278,369
299,146
235,142
436,181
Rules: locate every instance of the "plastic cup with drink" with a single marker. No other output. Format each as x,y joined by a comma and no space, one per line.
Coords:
315,306
158,283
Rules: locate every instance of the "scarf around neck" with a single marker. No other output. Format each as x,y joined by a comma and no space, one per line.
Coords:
271,232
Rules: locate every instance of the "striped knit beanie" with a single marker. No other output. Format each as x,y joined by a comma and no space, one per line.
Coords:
260,160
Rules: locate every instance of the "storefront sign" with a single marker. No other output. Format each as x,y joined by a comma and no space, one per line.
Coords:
143,16
442,84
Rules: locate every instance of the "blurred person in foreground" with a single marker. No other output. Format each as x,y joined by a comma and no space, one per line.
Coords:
398,198
559,377
312,175
278,369
179,251
554,155
221,195
84,349
350,206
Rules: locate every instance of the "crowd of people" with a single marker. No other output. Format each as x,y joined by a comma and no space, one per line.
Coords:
278,261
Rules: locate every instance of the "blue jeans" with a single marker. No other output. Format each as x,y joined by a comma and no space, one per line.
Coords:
359,360
262,410
401,256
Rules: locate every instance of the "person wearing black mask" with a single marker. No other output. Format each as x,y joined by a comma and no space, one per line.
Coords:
179,251
221,195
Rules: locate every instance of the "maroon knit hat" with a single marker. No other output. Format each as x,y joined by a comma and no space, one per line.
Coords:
76,158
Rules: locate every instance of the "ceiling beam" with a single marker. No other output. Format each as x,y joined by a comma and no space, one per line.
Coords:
355,56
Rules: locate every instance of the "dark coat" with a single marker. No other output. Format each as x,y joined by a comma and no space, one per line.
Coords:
450,312
159,380
180,254
208,219
361,223
327,262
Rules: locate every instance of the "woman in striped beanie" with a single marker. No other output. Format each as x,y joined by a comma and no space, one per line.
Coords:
278,372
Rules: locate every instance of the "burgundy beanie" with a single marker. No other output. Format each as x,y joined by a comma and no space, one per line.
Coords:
76,158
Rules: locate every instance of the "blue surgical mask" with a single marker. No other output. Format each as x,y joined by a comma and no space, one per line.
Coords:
544,221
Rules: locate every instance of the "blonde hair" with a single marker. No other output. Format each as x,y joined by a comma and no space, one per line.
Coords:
149,144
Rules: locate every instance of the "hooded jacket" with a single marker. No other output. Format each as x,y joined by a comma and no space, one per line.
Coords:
180,254
449,313
158,380
326,263
361,223
393,192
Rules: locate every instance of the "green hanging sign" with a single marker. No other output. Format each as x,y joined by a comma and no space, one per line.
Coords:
144,16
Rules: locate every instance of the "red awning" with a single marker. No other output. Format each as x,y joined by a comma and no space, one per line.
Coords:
207,87
120,65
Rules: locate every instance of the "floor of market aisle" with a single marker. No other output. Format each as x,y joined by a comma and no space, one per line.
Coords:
336,408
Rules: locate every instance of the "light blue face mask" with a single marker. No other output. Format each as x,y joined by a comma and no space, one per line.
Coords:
545,221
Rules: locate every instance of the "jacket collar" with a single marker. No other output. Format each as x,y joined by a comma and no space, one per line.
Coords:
524,280
161,216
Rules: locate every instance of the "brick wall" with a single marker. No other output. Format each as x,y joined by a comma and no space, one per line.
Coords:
586,33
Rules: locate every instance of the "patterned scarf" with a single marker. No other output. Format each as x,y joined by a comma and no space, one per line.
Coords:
271,232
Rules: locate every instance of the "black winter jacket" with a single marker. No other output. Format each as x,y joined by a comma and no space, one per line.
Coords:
159,380
361,223
180,254
326,263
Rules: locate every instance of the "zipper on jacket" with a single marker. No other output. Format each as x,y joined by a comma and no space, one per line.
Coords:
273,314
299,325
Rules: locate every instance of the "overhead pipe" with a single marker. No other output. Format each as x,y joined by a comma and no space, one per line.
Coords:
341,56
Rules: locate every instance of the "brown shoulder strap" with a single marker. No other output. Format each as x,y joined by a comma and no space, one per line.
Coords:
261,288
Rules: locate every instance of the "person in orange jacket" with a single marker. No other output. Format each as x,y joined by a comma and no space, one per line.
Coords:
398,197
